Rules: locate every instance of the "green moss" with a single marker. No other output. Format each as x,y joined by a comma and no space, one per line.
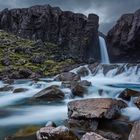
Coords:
27,131
23,60
53,67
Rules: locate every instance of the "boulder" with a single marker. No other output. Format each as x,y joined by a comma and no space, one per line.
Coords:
128,93
115,128
78,90
84,125
95,108
24,73
83,71
52,93
93,136
67,76
18,90
55,133
135,133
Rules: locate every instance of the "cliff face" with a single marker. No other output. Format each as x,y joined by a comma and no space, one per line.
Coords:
124,39
76,34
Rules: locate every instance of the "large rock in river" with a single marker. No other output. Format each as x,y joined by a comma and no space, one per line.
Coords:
67,76
95,108
52,93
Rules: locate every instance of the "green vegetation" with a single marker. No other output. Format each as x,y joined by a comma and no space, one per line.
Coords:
21,53
27,131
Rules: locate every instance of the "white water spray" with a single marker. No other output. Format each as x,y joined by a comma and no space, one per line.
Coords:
103,49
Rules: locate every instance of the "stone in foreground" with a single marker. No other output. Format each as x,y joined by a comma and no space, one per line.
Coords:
92,136
135,133
95,108
58,133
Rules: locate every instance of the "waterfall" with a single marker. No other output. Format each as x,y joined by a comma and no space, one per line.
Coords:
103,49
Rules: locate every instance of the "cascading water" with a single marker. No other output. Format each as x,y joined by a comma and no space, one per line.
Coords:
21,112
103,50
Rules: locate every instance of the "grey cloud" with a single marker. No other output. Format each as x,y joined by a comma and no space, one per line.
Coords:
108,10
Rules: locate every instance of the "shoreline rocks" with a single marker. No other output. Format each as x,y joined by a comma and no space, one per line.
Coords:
52,93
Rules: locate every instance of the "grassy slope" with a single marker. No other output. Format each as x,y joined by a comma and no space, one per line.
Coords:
49,66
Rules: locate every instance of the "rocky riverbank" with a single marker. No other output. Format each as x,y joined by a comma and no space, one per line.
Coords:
93,118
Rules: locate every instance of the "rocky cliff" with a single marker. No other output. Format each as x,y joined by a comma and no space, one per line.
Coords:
75,34
124,39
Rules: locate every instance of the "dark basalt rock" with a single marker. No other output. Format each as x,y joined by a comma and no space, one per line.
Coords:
83,71
84,125
123,39
68,76
78,90
19,90
52,93
75,33
128,93
135,133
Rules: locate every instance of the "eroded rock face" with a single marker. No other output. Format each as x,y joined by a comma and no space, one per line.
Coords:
92,136
95,108
123,38
76,34
135,133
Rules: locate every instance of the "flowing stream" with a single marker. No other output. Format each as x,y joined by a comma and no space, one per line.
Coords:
17,110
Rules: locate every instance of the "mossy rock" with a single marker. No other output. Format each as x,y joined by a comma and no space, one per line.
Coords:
27,133
26,49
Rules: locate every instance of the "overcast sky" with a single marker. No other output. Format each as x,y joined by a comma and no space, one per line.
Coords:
108,10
